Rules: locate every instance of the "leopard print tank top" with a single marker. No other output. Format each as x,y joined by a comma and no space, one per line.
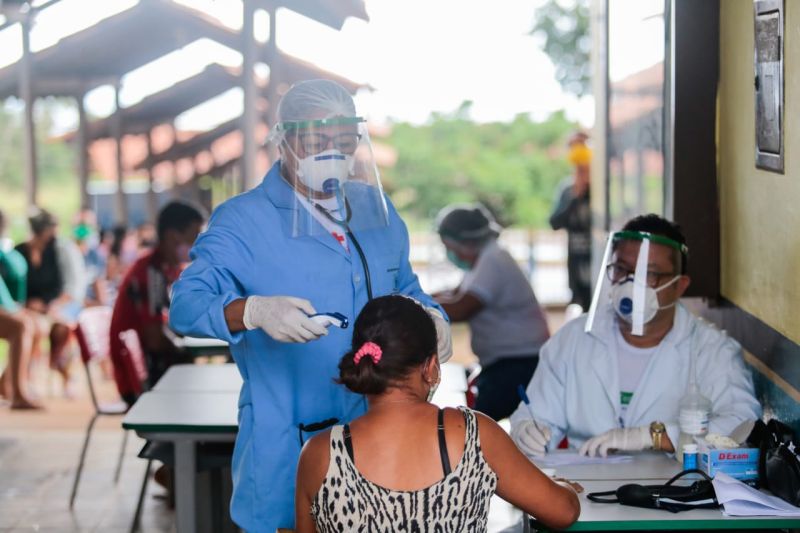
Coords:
459,502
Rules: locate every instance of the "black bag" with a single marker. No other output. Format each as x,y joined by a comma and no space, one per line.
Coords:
778,462
669,497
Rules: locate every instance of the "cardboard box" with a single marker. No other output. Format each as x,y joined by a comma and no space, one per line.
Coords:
739,463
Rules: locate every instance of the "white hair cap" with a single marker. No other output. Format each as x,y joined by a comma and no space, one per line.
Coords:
315,99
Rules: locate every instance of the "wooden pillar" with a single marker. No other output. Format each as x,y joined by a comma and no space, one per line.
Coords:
174,192
121,211
83,152
152,200
641,206
27,95
236,170
249,116
274,81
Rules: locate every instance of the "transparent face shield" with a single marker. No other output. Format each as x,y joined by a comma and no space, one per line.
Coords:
629,283
331,166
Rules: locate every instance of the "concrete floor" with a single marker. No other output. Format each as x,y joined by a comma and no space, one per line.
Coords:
38,456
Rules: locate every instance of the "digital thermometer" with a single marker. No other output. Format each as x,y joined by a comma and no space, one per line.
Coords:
331,319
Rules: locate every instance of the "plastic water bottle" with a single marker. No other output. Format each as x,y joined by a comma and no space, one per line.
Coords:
692,418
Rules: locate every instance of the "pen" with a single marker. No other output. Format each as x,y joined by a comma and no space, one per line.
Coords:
524,397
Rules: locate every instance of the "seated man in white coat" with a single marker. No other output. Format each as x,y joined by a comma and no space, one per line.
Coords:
613,379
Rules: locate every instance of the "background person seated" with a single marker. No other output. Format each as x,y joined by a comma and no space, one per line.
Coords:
87,239
56,286
16,325
143,301
507,325
616,388
121,249
393,461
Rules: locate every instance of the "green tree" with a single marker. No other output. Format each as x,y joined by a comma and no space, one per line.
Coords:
563,27
514,168
56,160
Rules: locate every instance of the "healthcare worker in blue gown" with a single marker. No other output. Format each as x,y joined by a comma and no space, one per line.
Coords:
316,237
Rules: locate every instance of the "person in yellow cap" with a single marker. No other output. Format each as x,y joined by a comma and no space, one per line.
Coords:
572,213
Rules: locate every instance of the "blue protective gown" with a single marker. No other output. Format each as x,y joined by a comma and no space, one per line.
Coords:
248,249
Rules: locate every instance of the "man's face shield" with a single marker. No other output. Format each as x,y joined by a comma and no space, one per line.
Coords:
637,267
330,165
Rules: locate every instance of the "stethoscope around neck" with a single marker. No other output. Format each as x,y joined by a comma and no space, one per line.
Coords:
332,186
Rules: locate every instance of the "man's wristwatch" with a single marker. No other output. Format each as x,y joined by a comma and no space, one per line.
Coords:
657,430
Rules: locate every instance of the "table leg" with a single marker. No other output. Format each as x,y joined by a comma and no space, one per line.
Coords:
185,466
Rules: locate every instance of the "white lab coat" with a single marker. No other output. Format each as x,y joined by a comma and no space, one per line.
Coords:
575,389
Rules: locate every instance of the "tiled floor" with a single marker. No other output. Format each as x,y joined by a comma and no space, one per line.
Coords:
36,474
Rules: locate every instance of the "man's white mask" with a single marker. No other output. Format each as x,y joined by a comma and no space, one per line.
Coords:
326,171
622,300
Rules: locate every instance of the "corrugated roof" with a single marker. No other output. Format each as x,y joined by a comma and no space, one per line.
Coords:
292,70
163,106
115,46
332,13
190,147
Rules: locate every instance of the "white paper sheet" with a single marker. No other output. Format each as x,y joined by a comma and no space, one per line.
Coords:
574,458
739,499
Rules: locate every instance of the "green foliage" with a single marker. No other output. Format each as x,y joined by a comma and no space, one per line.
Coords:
58,180
514,168
563,27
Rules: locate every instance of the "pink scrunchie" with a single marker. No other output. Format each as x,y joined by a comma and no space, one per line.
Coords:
370,349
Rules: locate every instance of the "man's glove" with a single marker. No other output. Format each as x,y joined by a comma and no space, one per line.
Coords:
283,318
627,439
531,437
443,336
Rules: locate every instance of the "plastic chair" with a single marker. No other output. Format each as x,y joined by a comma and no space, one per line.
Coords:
135,369
92,333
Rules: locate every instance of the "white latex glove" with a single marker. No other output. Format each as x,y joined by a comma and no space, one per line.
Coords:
531,437
283,318
627,439
443,336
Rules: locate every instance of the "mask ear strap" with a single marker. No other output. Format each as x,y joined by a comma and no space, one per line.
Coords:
670,282
664,286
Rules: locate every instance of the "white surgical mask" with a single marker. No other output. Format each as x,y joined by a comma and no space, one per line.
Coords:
622,300
325,171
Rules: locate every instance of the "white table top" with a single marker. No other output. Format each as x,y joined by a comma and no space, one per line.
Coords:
612,516
646,465
204,398
200,378
184,412
648,468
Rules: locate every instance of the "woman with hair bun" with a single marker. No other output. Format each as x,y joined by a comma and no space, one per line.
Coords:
436,468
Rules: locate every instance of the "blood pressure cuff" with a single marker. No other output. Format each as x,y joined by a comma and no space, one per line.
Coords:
779,464
669,497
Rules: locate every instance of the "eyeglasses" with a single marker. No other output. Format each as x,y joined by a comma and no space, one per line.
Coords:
314,143
617,272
